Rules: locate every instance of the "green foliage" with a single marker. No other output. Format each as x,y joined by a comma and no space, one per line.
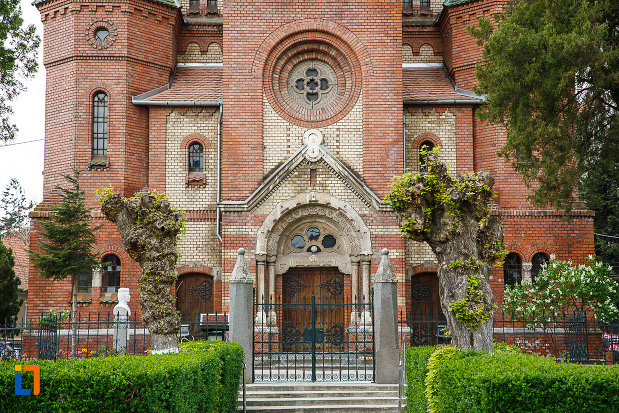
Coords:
416,371
471,311
433,386
563,288
9,298
18,60
515,382
14,210
421,199
68,237
550,77
599,188
204,377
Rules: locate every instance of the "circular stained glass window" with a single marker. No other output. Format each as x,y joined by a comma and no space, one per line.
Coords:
313,248
328,241
298,241
313,234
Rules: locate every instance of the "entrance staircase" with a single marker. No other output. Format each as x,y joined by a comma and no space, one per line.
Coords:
301,397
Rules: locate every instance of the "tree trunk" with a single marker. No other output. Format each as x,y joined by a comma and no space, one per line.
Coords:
150,227
74,317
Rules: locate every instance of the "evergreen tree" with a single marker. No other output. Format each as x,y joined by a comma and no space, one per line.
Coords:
550,77
14,209
9,299
67,241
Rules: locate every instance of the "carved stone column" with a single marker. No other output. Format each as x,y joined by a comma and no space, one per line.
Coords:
272,318
526,272
260,288
365,317
354,263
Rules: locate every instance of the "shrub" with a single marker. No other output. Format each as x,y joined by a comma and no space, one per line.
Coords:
201,378
515,382
416,370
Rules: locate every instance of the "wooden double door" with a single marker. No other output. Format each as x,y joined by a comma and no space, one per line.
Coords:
194,296
314,310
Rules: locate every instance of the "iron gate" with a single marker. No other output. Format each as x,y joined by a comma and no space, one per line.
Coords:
314,339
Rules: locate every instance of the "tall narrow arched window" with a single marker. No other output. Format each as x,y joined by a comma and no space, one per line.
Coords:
424,148
538,260
99,127
196,157
512,269
110,280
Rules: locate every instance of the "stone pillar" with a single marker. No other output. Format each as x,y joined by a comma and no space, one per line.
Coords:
365,267
365,317
241,301
272,317
260,288
354,314
386,322
526,272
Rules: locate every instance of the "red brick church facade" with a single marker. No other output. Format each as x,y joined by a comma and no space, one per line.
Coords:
277,126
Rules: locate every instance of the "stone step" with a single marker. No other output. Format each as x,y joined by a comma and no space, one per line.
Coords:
335,397
319,393
312,401
325,408
321,386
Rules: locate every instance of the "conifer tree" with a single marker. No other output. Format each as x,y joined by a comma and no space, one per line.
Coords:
14,211
67,241
9,298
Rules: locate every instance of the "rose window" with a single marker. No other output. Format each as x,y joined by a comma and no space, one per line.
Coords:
312,84
313,240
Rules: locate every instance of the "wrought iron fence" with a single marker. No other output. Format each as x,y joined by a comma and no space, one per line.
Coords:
574,337
50,337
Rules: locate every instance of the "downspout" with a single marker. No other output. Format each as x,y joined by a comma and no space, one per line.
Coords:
404,136
218,212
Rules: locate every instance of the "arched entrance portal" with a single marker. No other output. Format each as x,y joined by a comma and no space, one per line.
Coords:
313,265
313,230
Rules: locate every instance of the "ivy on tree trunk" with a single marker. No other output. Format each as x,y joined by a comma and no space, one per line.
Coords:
453,217
150,226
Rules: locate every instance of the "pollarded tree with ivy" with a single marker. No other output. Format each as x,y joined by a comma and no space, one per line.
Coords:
453,215
150,227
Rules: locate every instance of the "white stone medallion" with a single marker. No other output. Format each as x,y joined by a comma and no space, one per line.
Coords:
312,139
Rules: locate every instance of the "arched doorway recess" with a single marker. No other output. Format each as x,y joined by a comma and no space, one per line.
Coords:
313,230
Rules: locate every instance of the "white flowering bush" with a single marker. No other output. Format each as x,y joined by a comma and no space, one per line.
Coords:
563,289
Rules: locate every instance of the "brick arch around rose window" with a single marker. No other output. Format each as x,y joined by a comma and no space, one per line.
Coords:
308,39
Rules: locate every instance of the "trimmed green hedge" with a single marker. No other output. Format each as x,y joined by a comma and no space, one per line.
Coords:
416,371
203,377
508,381
512,382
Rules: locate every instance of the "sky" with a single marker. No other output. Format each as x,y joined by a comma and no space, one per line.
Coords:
24,161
